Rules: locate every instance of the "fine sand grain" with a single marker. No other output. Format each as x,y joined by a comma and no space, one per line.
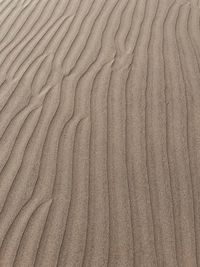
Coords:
100,133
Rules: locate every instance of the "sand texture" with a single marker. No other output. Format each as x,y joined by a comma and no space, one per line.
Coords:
100,133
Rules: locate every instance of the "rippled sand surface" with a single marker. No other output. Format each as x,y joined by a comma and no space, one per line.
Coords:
100,133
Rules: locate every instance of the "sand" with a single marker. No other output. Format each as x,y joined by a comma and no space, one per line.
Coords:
100,133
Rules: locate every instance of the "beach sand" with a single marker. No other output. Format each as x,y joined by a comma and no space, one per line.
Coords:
100,133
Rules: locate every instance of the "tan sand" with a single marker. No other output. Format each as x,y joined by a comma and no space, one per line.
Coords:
100,133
